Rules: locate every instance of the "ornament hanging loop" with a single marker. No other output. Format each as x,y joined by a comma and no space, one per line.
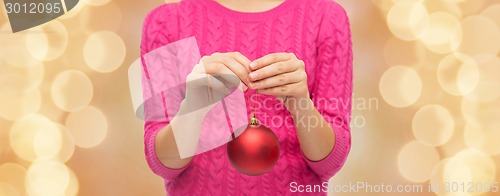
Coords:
253,120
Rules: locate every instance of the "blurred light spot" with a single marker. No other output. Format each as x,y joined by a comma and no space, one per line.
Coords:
487,116
443,6
397,52
454,145
49,42
96,2
111,11
73,186
104,51
15,79
73,12
400,86
47,177
480,113
487,88
408,20
53,141
22,135
8,190
67,143
483,137
49,108
433,125
493,13
416,1
72,90
444,33
37,43
469,109
88,127
47,142
480,36
416,161
14,175
383,5
458,74
469,7
452,171
16,54
17,105
481,167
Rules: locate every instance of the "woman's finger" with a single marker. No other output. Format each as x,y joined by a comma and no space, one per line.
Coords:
201,80
216,68
217,88
272,70
278,80
283,90
217,84
232,61
227,76
270,59
242,59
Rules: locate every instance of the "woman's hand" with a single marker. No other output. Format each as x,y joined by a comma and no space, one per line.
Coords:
284,76
280,74
232,63
208,82
214,78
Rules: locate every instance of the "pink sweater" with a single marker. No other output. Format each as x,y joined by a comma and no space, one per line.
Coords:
317,32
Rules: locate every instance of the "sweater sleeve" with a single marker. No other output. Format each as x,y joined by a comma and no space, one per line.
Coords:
332,93
158,30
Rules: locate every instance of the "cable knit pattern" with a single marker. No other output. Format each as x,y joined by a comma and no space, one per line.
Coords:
317,32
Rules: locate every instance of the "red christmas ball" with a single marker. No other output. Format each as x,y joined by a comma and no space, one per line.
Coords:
255,151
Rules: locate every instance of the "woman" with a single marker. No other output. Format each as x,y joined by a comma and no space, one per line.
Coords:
290,52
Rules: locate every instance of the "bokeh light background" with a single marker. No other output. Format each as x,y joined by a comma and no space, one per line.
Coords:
426,105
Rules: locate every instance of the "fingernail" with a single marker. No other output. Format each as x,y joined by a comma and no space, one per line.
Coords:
253,75
242,86
253,65
249,83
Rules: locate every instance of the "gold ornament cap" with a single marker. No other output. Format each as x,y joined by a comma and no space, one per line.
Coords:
253,120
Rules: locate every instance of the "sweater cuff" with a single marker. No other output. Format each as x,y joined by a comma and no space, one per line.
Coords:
333,162
153,161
